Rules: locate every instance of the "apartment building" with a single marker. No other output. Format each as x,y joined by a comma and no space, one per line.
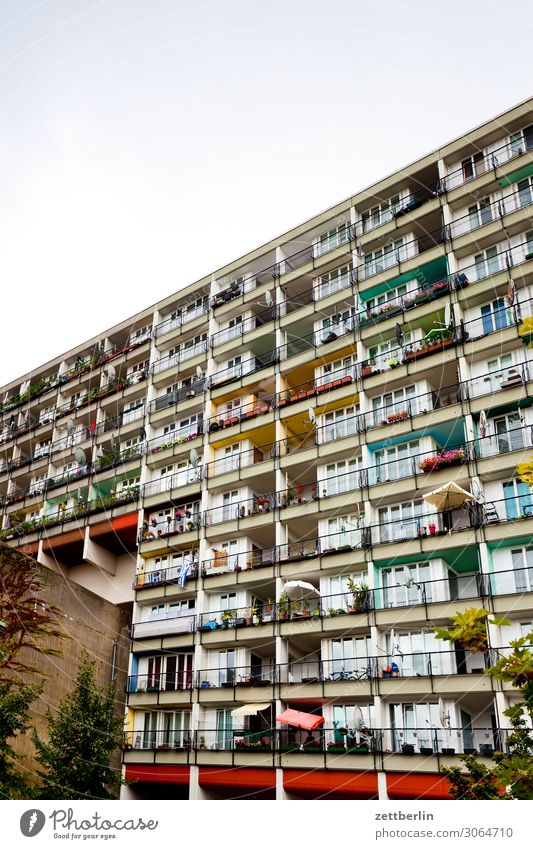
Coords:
249,462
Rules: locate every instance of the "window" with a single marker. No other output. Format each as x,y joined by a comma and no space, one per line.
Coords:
473,166
487,263
333,281
509,432
397,593
224,732
517,496
228,601
230,504
388,351
522,141
385,257
524,192
380,214
339,424
350,657
523,569
419,653
340,368
335,325
231,459
343,530
226,667
418,725
394,294
393,404
480,213
331,239
401,521
494,316
340,477
395,462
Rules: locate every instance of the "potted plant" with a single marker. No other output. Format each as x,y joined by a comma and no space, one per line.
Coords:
283,606
228,618
408,749
470,629
360,596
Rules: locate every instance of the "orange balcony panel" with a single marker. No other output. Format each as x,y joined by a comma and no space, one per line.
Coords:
30,548
406,785
333,782
158,774
264,779
120,523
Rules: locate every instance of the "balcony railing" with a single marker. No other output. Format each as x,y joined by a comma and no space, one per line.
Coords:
520,199
489,161
225,562
183,521
164,623
161,682
233,676
175,437
178,573
165,484
336,741
180,356
181,318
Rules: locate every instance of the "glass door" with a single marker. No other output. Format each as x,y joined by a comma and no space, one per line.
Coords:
509,433
224,730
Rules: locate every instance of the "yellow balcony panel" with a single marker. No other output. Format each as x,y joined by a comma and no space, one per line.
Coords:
172,756
138,756
179,411
235,389
244,474
253,759
245,578
176,641
412,763
299,692
437,611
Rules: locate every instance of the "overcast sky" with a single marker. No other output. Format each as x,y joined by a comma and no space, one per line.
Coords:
147,142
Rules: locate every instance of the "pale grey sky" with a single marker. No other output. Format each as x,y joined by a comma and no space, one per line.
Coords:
146,142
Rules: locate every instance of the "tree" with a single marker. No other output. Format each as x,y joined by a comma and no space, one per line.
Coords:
511,777
28,623
29,620
82,738
14,705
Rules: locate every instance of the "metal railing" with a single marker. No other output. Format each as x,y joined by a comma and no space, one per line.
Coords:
490,161
183,521
180,478
184,353
164,623
233,676
175,437
160,682
150,577
181,318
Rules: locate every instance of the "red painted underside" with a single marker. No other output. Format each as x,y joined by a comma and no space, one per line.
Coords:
332,782
243,777
159,774
401,785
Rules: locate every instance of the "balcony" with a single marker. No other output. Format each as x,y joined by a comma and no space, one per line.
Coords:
485,163
181,318
181,356
176,574
164,624
245,676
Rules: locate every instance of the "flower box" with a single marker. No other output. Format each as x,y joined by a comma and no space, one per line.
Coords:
453,457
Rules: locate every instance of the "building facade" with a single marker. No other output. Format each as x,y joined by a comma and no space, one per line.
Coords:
282,421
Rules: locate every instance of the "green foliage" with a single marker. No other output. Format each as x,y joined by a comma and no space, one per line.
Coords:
470,631
82,737
14,706
478,782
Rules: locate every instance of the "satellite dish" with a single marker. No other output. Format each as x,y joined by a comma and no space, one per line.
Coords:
408,580
110,371
81,456
100,452
312,417
193,457
476,490
268,299
199,373
443,716
358,718
70,425
78,496
142,433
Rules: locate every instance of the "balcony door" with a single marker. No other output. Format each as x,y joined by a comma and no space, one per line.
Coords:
395,591
509,433
224,729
